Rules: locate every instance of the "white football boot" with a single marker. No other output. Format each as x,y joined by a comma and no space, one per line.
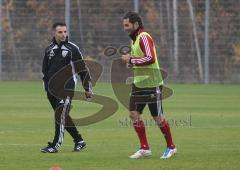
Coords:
141,153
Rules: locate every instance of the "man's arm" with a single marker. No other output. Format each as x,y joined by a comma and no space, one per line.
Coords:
44,65
147,46
84,72
45,70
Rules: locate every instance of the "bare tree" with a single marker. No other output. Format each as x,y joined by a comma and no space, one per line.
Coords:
169,24
16,55
0,39
194,27
80,23
175,34
161,22
206,42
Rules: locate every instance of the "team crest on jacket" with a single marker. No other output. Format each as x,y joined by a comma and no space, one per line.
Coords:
51,54
64,53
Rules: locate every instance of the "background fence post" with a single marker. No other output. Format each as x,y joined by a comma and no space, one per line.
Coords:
206,43
136,5
67,16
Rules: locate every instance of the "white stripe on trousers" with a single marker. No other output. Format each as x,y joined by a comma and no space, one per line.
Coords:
159,102
62,123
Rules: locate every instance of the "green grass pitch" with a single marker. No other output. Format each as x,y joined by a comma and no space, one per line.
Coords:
205,122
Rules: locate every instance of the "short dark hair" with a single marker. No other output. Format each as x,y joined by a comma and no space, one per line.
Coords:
133,17
58,24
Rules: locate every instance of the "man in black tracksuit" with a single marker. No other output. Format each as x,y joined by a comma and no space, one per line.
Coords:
58,55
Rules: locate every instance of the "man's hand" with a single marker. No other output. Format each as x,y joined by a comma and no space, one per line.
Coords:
126,58
88,94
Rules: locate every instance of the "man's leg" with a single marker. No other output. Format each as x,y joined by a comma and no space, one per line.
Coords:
72,130
157,114
61,113
165,129
64,121
135,110
77,138
57,106
139,127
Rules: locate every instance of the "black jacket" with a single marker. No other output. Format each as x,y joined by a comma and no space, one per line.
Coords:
57,56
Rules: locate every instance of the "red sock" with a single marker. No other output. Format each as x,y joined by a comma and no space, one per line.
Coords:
165,128
140,129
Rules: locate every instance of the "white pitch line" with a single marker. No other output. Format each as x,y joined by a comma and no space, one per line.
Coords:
23,144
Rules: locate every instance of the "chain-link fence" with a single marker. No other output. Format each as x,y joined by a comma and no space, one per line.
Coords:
196,40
